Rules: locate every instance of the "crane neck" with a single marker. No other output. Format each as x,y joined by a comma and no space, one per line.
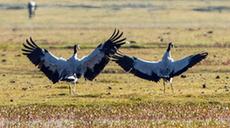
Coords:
75,49
167,54
169,47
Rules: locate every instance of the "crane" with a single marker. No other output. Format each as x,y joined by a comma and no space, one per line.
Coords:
165,69
71,69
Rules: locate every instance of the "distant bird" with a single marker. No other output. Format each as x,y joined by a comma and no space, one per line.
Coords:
32,6
70,70
164,69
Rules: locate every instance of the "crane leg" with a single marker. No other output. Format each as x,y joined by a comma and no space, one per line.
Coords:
70,89
164,85
172,87
170,81
74,88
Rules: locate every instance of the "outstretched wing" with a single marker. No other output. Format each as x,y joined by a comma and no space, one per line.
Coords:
141,68
95,62
184,64
53,67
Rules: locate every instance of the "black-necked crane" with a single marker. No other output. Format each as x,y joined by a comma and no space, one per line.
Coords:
164,69
70,70
31,8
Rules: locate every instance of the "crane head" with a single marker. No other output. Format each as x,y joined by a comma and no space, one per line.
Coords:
170,45
75,48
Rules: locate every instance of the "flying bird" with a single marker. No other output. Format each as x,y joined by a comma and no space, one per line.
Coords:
71,69
164,69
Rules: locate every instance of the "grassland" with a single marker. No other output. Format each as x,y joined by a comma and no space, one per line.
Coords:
115,98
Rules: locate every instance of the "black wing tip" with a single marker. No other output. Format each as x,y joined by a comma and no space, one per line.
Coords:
116,35
193,61
120,41
30,44
204,54
28,47
118,55
111,46
200,56
32,51
196,59
124,61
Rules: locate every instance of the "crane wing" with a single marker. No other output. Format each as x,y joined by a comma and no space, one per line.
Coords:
184,64
141,68
53,67
95,62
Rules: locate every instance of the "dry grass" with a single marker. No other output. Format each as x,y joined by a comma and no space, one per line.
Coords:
29,98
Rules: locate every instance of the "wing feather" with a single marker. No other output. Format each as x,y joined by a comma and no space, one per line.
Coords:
184,64
31,40
53,67
27,47
95,62
140,68
30,44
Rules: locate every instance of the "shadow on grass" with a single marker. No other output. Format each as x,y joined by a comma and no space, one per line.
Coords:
77,95
90,95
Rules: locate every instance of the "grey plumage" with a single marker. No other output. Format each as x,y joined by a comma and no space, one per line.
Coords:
164,69
70,70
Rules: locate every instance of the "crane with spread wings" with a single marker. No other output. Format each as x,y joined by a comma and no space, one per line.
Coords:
70,70
164,69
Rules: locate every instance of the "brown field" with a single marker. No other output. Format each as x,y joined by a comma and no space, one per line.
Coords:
115,98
